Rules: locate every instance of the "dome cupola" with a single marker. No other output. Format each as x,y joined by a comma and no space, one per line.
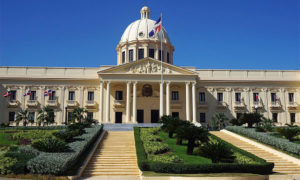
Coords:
136,44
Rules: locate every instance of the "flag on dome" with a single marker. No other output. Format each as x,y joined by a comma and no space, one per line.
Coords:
156,28
7,94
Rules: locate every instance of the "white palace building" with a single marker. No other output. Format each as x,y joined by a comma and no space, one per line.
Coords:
130,92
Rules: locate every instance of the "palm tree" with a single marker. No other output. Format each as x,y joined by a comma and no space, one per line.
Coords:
251,118
78,114
219,121
22,116
45,116
170,124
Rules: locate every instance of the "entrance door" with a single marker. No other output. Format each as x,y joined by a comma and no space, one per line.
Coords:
154,116
175,114
140,116
118,117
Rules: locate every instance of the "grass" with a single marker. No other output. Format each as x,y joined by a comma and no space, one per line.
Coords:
151,173
180,150
5,139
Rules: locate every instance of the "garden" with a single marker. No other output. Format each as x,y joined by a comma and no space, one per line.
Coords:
182,148
51,150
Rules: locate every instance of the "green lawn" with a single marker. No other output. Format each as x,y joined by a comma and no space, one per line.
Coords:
5,140
180,150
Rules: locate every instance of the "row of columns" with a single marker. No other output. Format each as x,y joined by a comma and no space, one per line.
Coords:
161,106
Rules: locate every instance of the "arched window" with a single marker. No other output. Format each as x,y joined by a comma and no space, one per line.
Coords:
147,90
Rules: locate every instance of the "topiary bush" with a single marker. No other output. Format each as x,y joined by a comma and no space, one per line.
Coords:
50,144
67,135
155,147
165,158
217,152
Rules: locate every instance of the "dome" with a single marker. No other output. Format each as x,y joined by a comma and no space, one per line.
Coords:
139,29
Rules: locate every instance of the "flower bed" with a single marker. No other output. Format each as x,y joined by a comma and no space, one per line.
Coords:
259,165
267,138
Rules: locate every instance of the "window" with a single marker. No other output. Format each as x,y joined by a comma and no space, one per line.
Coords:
238,115
119,95
201,97
151,53
255,97
291,97
32,95
175,95
273,97
91,96
69,116
52,96
168,57
52,115
159,55
175,114
202,117
130,55
123,57
31,116
275,117
13,95
220,97
141,53
293,117
11,116
147,90
71,95
90,115
237,97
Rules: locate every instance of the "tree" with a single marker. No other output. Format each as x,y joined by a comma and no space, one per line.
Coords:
45,116
219,121
265,125
250,119
192,134
22,116
170,124
217,152
78,114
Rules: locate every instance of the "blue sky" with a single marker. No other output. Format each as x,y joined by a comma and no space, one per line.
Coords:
214,34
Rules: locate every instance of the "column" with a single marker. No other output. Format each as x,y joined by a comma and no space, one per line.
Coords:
128,102
194,102
161,100
108,101
168,98
187,98
134,103
101,103
81,97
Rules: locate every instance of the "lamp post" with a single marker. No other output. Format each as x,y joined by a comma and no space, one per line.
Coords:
66,118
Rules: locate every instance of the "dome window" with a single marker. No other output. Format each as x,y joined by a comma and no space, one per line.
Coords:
151,53
130,55
123,57
159,55
141,53
141,34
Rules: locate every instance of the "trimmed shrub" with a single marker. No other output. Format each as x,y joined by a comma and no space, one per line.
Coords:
58,163
280,143
288,132
165,159
217,152
67,135
155,147
50,144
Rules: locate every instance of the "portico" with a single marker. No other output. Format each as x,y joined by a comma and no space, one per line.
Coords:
144,95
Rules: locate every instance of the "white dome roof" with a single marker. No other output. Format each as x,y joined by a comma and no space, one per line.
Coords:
139,29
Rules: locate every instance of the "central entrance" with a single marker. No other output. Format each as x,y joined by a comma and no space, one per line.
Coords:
154,116
140,116
118,117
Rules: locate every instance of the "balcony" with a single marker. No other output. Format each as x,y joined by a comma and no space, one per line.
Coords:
90,104
257,105
275,105
203,104
32,103
175,104
293,106
13,103
119,104
239,106
52,103
72,103
221,105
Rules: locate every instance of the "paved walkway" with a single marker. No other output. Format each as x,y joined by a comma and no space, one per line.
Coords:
115,157
282,165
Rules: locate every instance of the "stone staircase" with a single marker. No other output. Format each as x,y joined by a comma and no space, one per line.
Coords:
281,165
115,156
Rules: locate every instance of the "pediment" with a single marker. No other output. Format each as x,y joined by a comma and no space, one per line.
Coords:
147,66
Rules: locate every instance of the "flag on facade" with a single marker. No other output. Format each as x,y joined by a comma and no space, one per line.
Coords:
50,92
157,28
257,97
45,93
7,94
28,93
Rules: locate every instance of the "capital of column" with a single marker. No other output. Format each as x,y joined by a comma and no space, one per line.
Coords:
187,83
168,82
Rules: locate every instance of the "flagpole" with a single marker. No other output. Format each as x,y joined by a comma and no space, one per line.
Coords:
161,67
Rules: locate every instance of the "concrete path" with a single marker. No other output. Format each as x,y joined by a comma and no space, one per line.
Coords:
115,157
282,165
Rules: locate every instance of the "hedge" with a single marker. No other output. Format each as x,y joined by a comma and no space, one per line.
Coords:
262,167
58,163
280,143
33,127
